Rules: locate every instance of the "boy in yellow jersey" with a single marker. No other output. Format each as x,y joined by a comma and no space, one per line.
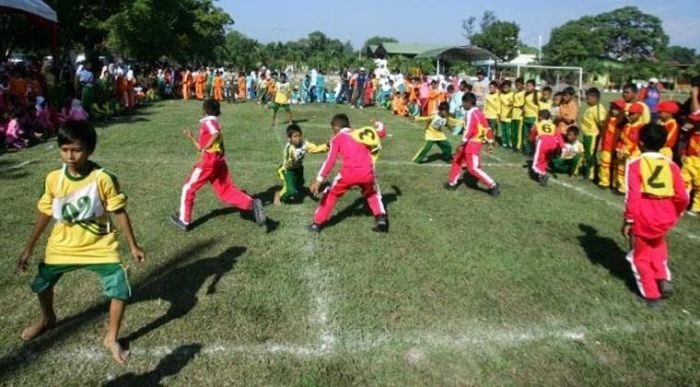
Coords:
530,111
592,123
629,94
492,106
517,115
291,172
280,99
505,116
544,100
81,196
434,135
691,161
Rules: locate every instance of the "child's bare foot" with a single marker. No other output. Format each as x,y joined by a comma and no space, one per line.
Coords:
118,353
277,200
37,328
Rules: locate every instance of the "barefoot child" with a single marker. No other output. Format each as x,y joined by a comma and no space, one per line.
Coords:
212,168
81,196
291,172
280,97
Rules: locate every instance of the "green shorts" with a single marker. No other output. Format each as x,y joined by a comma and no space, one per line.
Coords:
115,283
276,106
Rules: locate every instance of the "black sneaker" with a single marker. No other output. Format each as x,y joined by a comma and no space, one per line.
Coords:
449,187
382,224
666,288
543,179
495,190
314,228
655,304
175,219
259,212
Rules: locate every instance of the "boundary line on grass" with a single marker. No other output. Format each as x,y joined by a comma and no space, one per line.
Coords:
471,339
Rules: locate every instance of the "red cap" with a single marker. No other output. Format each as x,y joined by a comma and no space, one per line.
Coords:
636,108
668,107
694,118
619,103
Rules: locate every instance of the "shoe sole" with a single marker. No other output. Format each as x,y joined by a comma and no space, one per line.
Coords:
178,224
258,212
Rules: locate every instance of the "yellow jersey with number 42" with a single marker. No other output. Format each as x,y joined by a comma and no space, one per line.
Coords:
83,233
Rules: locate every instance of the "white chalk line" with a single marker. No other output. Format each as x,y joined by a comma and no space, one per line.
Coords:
476,339
18,166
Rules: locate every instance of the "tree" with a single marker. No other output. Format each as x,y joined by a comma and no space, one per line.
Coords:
499,37
683,55
625,34
469,27
186,30
377,40
240,51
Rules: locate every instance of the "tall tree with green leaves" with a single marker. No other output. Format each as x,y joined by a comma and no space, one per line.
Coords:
625,34
498,36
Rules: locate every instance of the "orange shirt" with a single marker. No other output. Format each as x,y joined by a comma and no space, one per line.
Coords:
672,132
629,138
270,84
241,83
568,111
200,78
218,82
694,145
609,135
18,87
433,100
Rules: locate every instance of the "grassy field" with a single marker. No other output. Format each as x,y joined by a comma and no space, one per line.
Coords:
529,288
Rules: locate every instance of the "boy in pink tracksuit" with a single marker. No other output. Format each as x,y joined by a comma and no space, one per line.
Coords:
477,132
211,168
548,141
655,201
357,171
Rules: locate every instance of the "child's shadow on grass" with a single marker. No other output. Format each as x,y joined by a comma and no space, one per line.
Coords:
359,207
26,355
170,365
266,197
606,252
180,286
436,157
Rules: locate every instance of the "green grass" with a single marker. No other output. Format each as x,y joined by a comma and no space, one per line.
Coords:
529,288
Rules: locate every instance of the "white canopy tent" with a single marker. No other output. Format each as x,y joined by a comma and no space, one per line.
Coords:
32,7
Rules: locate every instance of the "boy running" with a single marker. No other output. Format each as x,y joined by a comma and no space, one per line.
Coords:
434,134
211,168
357,170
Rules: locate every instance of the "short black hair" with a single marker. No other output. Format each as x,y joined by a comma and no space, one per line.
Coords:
293,128
493,83
653,136
72,131
569,91
574,129
631,86
507,82
340,120
531,82
593,92
212,107
444,106
544,114
469,97
547,88
519,80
